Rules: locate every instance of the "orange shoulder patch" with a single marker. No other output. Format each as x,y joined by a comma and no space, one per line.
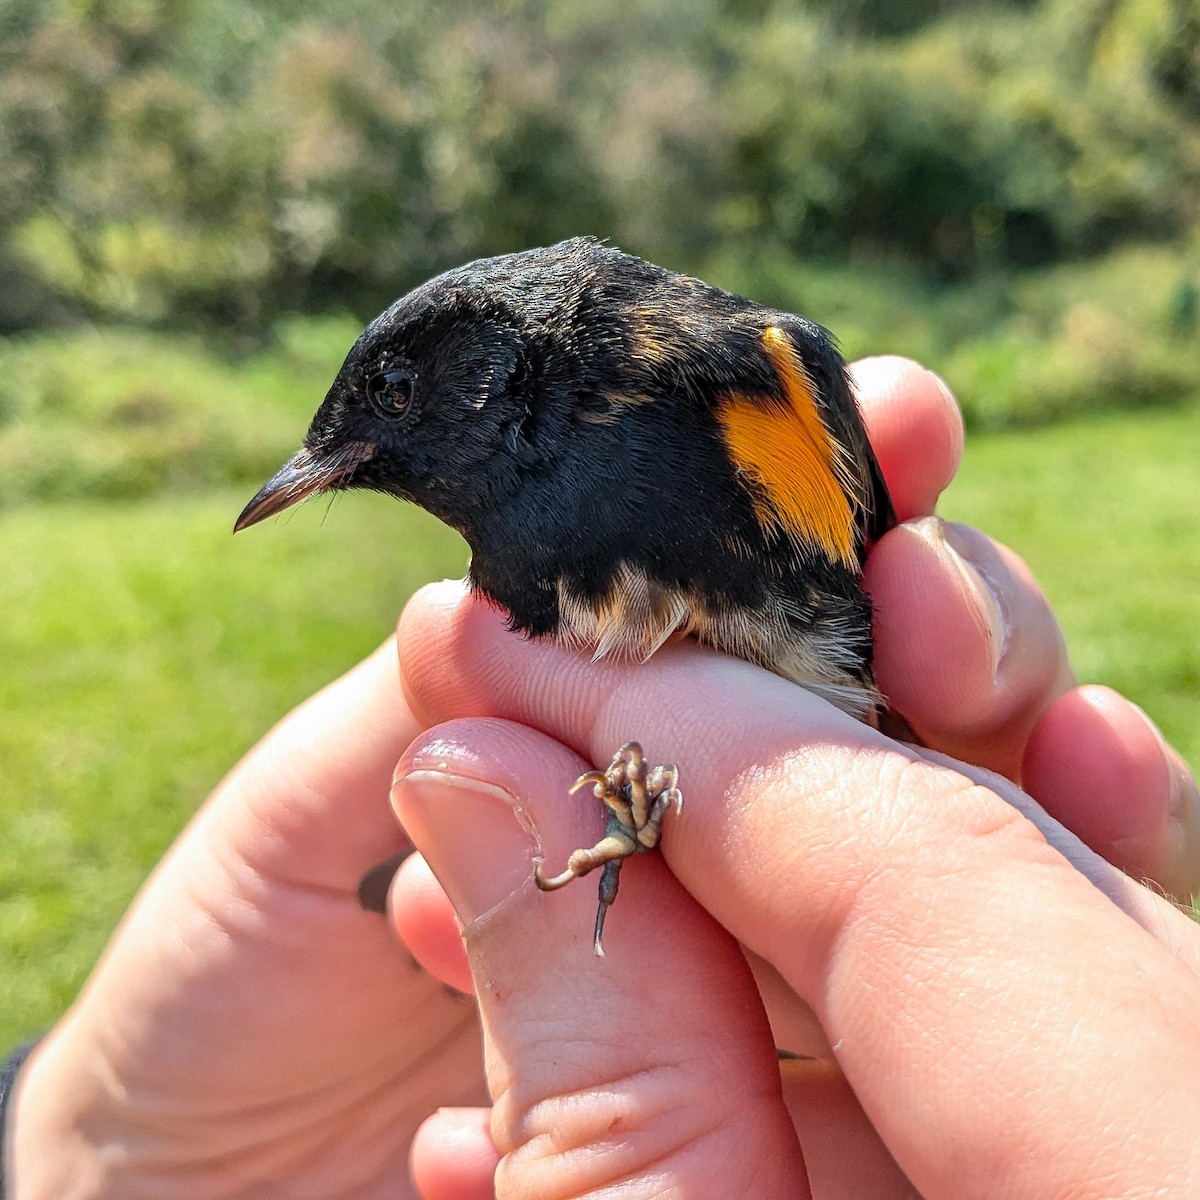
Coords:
803,479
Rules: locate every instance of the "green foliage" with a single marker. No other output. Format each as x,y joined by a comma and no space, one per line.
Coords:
122,413
1018,349
228,161
1082,338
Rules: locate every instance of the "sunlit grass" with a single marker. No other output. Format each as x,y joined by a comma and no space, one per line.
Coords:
1104,510
144,648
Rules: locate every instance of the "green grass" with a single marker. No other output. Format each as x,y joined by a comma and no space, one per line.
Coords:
144,648
1105,512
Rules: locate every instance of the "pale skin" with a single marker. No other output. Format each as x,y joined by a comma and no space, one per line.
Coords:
1008,1013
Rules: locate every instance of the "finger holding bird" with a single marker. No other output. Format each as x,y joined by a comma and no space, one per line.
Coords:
633,457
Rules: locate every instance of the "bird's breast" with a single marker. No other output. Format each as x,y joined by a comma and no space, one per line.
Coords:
799,637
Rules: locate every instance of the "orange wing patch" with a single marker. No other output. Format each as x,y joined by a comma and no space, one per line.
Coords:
804,480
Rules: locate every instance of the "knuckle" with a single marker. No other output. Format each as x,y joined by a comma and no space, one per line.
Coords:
637,1130
934,821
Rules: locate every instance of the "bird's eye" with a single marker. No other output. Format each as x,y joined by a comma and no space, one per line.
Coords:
391,392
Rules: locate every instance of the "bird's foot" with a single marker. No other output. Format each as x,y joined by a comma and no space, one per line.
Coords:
637,799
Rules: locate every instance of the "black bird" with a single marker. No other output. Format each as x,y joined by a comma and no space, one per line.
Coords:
632,456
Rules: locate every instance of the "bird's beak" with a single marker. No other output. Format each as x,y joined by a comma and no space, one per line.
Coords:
304,474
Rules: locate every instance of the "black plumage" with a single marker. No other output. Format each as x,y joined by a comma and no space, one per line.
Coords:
631,455
562,409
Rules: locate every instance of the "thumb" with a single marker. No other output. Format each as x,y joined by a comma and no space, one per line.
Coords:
653,1067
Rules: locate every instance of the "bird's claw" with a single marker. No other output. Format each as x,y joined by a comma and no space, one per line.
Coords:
637,800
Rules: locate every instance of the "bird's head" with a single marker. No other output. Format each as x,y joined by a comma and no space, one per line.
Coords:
434,400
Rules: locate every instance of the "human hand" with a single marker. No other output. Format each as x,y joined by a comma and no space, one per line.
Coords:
164,1081
250,1031
970,652
852,854
1009,1015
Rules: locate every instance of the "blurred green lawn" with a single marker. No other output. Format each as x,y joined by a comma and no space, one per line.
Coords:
144,648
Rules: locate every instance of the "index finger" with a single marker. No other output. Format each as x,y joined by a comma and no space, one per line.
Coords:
915,428
929,923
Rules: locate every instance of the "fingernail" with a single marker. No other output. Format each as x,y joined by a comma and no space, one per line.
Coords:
475,836
375,884
943,387
1184,801
878,372
970,554
460,1118
1180,788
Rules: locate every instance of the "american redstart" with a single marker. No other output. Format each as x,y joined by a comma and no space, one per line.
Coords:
632,456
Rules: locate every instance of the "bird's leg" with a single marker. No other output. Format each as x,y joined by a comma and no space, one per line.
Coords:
637,800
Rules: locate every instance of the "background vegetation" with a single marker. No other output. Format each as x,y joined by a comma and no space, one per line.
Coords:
201,201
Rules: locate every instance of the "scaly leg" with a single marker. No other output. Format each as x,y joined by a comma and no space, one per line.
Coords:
637,800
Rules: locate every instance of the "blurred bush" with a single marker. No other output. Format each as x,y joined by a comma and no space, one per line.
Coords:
122,414
1006,190
227,161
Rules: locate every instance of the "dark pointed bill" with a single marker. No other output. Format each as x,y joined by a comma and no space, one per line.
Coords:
304,474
